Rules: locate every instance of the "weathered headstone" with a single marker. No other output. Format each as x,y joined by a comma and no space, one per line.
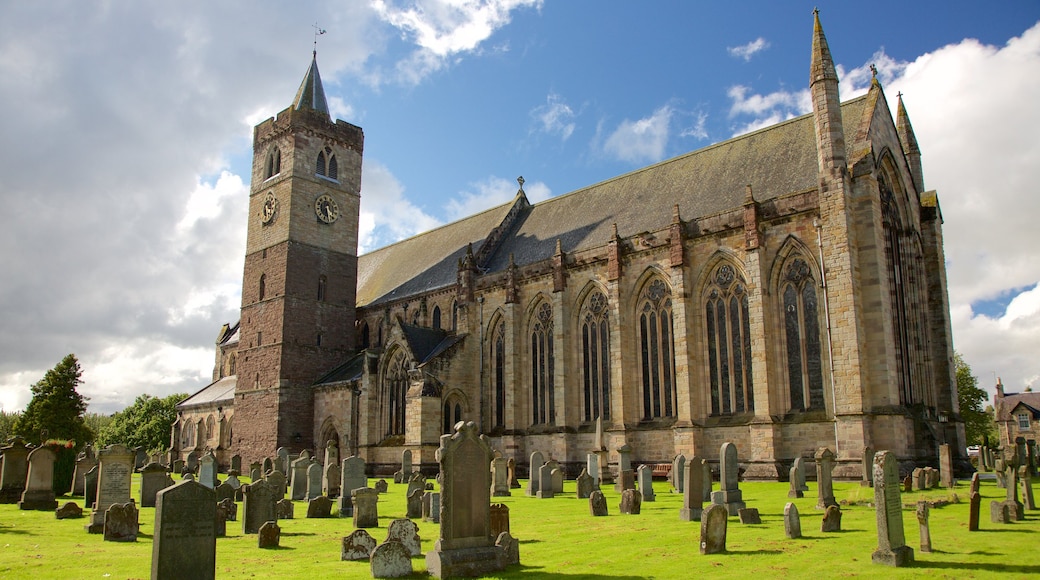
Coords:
514,483
545,486
646,482
153,479
499,519
381,486
867,464
13,470
319,507
268,466
892,549
208,470
115,467
678,473
707,481
974,503
749,516
258,505
84,462
121,522
1027,488
230,509
330,479
331,453
625,457
919,479
922,523
792,522
285,509
945,467
597,503
713,529
358,546
281,462
799,465
824,487
314,480
908,483
413,508
537,460
729,494
406,532
90,487
220,521
225,491
592,467
556,476
832,518
626,480
631,502
255,472
390,560
432,507
999,513
184,544
795,490
366,514
269,535
693,494
974,487
39,481
416,482
70,510
353,475
583,484
192,461
277,481
298,479
406,466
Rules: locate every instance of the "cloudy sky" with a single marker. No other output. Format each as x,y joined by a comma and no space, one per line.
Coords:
126,143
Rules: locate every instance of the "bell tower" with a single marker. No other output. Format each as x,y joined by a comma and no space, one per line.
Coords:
300,277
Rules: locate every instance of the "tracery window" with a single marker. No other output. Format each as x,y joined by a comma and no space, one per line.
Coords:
187,434
543,409
396,388
452,414
273,166
802,330
437,317
729,343
200,434
657,360
498,373
595,357
326,165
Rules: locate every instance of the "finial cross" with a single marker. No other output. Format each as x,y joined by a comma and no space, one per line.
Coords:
317,32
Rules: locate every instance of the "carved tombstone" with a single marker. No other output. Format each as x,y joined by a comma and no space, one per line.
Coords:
713,529
115,467
693,492
645,476
729,495
39,481
185,540
258,506
537,460
792,522
824,487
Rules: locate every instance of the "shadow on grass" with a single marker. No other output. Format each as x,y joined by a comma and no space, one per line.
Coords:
298,534
12,530
1003,530
751,552
1003,568
541,572
279,548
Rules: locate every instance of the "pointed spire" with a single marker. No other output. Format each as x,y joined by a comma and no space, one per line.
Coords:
823,88
311,95
822,67
904,128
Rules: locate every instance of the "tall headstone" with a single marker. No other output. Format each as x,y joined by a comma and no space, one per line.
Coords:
236,463
465,547
298,481
583,484
1031,457
499,478
281,462
645,474
693,494
153,479
799,465
366,512
678,473
192,462
39,481
713,529
1028,501
1015,507
208,470
277,481
258,505
413,508
1021,454
184,544
514,483
330,479
922,524
545,486
90,487
729,495
536,462
945,467
406,463
892,549
84,462
792,522
115,467
592,468
867,464
14,469
314,480
795,490
625,457
974,503
353,475
824,488
983,466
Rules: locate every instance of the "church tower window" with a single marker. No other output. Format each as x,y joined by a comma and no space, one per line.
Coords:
543,408
729,343
262,289
657,359
802,331
322,281
595,357
498,373
396,389
326,165
273,166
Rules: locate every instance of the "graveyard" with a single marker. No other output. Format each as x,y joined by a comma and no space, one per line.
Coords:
559,538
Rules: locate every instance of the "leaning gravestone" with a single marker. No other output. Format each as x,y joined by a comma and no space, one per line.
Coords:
537,460
258,506
39,482
185,542
465,547
750,516
153,479
645,474
922,522
693,494
413,507
319,507
366,514
115,467
795,491
832,518
631,502
892,549
358,546
792,522
678,473
583,484
713,529
15,468
729,495
597,503
390,560
406,532
824,487
208,470
867,464
799,465
90,487
84,462
121,523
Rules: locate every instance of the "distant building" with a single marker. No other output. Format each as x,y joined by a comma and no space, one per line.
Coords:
1016,415
784,290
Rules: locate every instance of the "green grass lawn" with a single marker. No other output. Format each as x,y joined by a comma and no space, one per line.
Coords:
559,539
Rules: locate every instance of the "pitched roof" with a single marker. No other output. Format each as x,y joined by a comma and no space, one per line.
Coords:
1006,405
311,94
220,391
348,371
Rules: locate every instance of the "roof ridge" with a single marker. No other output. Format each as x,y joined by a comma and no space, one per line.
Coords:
440,227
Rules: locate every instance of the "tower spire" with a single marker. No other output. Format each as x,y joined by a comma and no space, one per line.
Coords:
823,86
311,95
909,141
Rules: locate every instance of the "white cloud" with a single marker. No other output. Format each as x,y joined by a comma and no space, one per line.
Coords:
555,116
642,140
698,129
748,50
386,215
491,192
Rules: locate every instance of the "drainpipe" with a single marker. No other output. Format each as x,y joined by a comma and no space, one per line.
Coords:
480,302
827,325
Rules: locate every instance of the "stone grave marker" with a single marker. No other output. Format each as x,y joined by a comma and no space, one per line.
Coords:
281,462
390,560
84,462
1027,488
406,467
230,509
381,486
922,523
465,546
933,477
121,522
867,464
626,480
319,507
352,475
974,488
192,461
795,490
592,467
749,516
792,522
892,549
416,482
998,469
974,503
366,514
1031,457
236,462
677,475
583,484
269,535
177,466
285,509
39,481
908,484
432,507
824,487
514,483
556,476
919,479
499,519
713,529
153,479
406,532
140,457
90,487
330,479
729,495
646,482
70,510
625,457
999,513
225,491
220,521
277,481
358,546
545,486
413,508
184,544
597,503
314,480
631,502
537,460
255,472
1020,451
693,494
832,518
267,466
799,464
258,505
707,481
298,479
945,467
331,453
208,470
14,469
115,467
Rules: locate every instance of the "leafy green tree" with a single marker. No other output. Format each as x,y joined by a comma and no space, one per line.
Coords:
97,422
978,424
145,423
7,421
56,409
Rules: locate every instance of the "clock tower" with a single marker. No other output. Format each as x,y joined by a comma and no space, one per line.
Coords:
300,277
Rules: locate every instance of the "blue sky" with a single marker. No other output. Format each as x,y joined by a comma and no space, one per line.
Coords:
128,142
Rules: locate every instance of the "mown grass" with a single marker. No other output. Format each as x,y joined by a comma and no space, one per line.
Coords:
559,539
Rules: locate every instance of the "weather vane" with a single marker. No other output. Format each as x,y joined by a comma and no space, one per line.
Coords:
317,32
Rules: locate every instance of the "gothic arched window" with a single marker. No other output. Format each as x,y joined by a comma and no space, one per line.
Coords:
262,290
543,408
322,283
273,166
498,373
657,360
802,331
396,388
595,357
437,317
364,335
326,165
200,434
452,414
729,343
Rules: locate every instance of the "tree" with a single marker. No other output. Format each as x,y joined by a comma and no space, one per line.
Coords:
145,423
7,421
96,422
56,409
978,424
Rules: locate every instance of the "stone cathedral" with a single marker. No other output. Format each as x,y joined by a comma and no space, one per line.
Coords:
784,290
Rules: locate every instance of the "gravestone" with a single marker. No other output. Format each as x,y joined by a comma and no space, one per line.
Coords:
184,544
416,482
729,494
713,529
514,483
70,510
1031,457
236,463
625,457
1015,507
510,547
867,464
631,502
974,503
330,479
919,479
545,486
140,457
358,546
281,461
115,467
267,466
14,469
678,473
537,460
314,480
832,518
646,482
597,503
933,477
922,523
153,479
390,560
39,481
208,470
284,509
626,480
258,505
298,479
406,532
974,487
465,547
908,483
707,481
983,467
792,522
749,516
225,491
331,453
90,487
556,476
945,467
824,487
693,494
414,504
999,513
366,514
177,466
1027,488
269,535
84,462
230,509
121,522
319,507
352,475
1021,454
276,479
499,519
892,549
220,521
998,469
432,507
583,484
192,462
799,465
795,490
406,466
254,471
381,486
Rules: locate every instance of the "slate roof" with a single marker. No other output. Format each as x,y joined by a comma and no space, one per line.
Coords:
348,371
1010,401
311,94
776,161
219,391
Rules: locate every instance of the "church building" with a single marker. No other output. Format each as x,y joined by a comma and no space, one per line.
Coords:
784,290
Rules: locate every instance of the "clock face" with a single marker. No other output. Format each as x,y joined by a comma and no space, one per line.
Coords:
269,208
326,209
